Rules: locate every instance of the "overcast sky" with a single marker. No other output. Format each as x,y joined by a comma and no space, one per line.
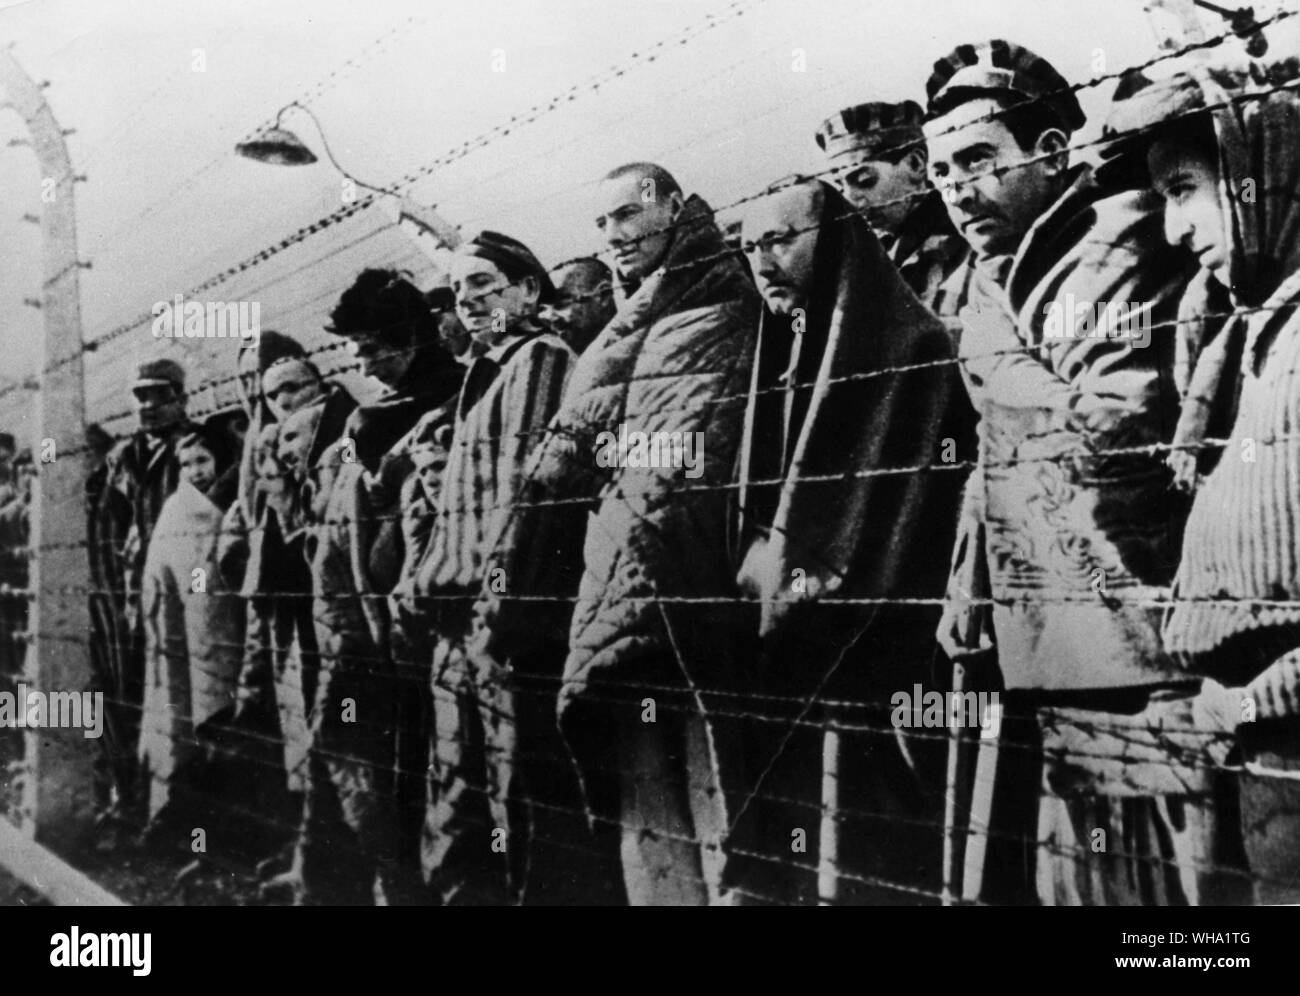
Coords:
398,84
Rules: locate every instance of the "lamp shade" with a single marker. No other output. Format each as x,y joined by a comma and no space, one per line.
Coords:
277,146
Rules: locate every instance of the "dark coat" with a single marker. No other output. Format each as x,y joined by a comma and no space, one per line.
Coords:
675,359
830,504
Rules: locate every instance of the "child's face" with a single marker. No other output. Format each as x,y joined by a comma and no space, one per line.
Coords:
431,478
198,467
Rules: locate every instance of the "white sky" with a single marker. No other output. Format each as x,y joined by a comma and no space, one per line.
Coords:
168,204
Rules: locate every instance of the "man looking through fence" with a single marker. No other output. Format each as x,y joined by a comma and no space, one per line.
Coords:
142,472
584,302
648,668
1069,538
493,729
817,524
878,154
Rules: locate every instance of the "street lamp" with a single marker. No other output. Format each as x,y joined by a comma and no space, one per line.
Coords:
279,146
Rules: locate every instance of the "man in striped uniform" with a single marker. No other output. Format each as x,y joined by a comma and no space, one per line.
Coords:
477,846
877,153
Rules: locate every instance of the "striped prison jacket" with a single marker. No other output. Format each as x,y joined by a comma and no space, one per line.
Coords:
504,408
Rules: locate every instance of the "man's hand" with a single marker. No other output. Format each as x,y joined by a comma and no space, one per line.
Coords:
1183,465
1097,416
1277,691
965,627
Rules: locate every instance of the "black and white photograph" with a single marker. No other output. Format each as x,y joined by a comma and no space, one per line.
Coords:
593,453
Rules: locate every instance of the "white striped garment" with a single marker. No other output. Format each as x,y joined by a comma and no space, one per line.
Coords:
485,467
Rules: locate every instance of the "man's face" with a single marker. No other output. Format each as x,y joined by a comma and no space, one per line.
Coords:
882,191
198,466
993,191
294,441
290,386
487,303
780,238
270,475
1194,215
158,407
6,463
379,358
635,219
584,303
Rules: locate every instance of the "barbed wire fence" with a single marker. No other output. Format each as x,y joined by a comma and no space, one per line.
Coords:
845,716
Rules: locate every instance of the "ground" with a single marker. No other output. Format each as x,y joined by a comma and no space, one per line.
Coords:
148,880
137,877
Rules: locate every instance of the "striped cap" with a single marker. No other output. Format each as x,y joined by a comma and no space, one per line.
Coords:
872,128
997,66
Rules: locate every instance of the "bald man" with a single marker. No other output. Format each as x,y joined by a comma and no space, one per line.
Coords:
848,380
584,302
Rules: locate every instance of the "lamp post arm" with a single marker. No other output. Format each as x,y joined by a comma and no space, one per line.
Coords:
329,153
408,209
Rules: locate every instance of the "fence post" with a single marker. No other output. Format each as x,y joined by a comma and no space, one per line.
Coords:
57,806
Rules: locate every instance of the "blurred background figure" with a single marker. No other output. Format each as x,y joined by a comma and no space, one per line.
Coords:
141,473
193,627
14,500
584,302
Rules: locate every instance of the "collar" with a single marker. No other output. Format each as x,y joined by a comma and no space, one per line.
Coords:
1080,188
498,352
509,345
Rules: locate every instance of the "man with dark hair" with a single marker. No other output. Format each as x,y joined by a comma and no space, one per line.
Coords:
584,302
640,203
878,153
490,731
351,841
657,624
142,472
655,181
1066,350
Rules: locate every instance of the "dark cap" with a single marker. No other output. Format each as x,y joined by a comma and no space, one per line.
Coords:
1001,67
872,128
7,441
1139,114
154,372
512,258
